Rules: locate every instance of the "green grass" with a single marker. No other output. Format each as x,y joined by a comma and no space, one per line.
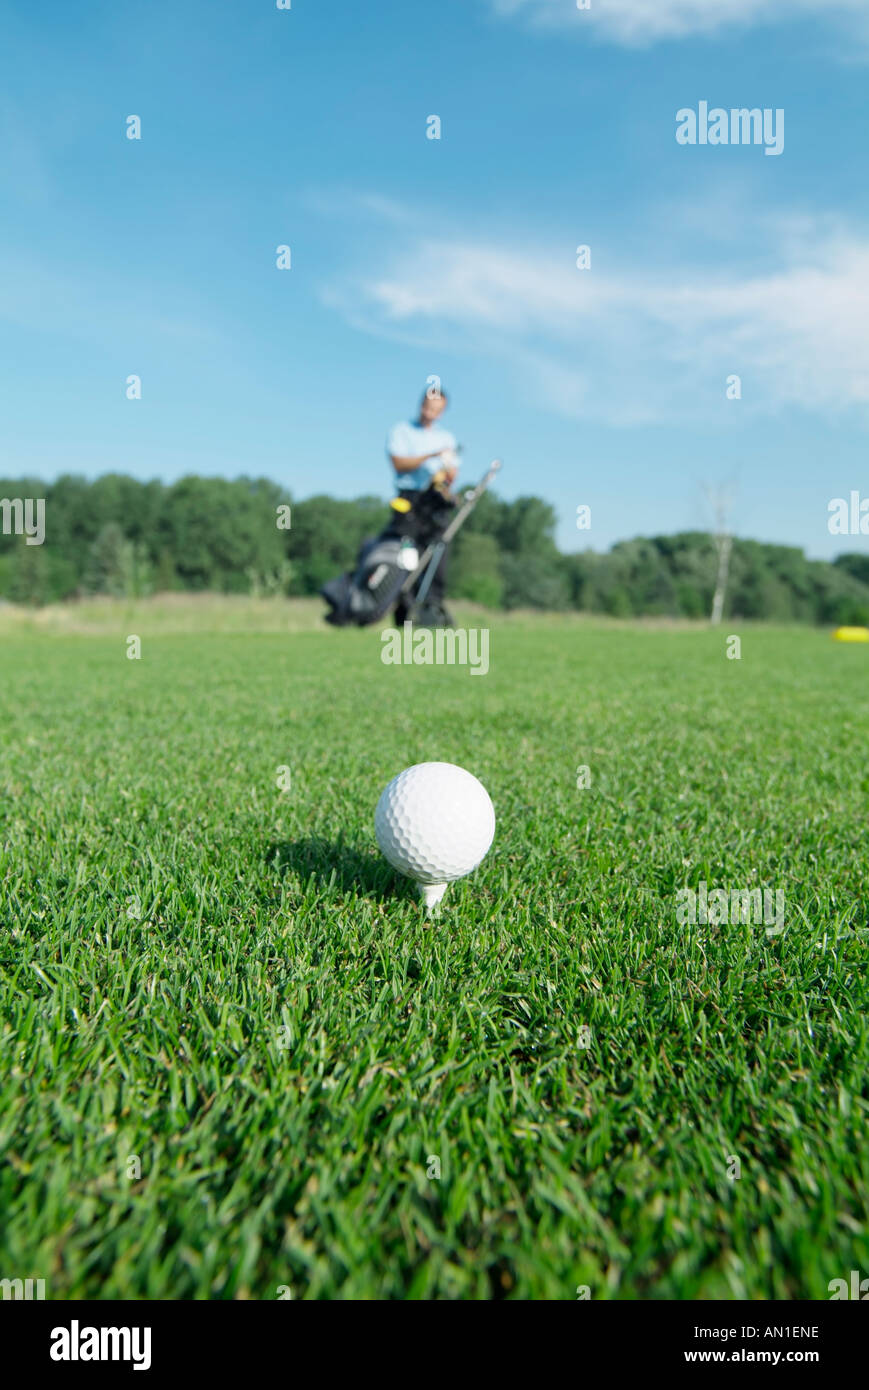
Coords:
228,982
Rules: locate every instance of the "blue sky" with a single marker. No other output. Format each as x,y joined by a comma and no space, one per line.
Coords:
455,257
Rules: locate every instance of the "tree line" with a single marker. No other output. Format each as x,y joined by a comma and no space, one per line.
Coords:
121,537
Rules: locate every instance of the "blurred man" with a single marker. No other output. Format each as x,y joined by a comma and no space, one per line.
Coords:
425,460
422,448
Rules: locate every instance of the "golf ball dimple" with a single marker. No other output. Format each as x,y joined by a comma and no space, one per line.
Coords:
434,822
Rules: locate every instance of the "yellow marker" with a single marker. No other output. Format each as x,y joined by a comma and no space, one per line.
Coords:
851,634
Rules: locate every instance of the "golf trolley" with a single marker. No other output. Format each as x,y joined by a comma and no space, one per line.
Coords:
400,566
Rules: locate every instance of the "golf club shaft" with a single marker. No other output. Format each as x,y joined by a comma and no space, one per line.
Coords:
428,578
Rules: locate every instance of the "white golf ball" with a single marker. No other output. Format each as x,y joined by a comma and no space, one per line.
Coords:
434,822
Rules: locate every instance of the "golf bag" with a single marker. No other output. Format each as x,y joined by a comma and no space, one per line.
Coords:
366,595
402,564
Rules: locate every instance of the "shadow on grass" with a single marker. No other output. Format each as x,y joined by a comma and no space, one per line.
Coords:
335,864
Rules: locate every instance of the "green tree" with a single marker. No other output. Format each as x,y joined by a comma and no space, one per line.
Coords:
533,581
326,535
474,569
109,562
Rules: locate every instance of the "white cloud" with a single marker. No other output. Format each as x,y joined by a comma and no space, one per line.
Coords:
634,344
644,21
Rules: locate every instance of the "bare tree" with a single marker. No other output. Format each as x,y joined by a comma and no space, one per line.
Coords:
721,500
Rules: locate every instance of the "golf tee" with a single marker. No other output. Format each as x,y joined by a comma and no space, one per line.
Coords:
431,893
